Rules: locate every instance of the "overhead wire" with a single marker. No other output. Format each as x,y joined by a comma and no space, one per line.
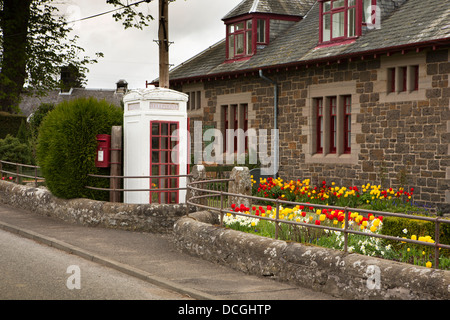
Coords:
106,12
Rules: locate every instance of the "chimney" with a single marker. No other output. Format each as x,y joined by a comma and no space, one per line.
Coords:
122,86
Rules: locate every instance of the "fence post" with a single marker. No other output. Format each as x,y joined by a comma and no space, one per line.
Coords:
116,163
436,248
240,184
188,193
277,216
345,230
198,173
221,208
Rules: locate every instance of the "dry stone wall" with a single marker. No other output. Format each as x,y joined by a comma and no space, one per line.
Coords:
133,217
348,276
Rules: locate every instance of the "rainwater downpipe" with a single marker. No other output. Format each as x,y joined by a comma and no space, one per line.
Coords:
275,124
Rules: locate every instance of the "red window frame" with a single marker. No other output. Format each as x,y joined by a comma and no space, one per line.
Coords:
250,34
234,109
319,125
416,77
392,74
333,124
404,71
225,126
161,164
355,6
352,9
347,123
245,106
234,36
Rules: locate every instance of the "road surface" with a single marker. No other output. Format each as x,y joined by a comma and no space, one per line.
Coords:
31,271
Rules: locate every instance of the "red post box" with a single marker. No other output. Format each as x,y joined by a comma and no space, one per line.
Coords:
102,158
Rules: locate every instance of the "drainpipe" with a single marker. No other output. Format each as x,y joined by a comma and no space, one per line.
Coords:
275,124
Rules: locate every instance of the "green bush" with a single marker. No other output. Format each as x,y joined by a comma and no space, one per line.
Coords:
10,124
35,122
13,150
67,146
394,226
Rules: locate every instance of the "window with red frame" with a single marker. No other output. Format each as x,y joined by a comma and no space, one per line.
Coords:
235,116
343,19
403,79
235,125
333,117
319,125
333,124
244,36
163,152
347,123
225,126
245,106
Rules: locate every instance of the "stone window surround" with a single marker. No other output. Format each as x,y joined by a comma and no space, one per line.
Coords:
191,88
397,61
238,99
340,89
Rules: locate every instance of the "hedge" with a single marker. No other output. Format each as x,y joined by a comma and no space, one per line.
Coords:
394,226
67,146
10,124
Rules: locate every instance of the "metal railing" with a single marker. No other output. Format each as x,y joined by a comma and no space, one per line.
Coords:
224,209
18,174
115,190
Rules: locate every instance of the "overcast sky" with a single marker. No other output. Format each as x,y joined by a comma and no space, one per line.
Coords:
132,54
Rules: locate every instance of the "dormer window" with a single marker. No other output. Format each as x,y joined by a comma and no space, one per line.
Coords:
244,36
342,20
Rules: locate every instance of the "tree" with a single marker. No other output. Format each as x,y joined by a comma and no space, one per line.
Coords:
67,146
35,45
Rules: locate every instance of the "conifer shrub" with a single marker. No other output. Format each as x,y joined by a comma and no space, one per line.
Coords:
14,150
67,146
10,124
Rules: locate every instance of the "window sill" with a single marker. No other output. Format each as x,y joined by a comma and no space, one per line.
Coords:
332,158
238,59
335,43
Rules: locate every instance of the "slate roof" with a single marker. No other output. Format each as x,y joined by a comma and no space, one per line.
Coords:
29,104
413,24
282,7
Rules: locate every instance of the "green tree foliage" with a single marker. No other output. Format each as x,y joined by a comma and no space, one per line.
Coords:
67,146
35,43
13,150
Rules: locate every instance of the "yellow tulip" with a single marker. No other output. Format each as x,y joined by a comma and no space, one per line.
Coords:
429,264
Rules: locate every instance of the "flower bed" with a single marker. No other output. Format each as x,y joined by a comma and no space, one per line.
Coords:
369,197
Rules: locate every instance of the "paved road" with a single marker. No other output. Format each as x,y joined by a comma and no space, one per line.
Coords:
31,271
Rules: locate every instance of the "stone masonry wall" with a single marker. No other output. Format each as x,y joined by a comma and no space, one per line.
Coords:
132,217
347,276
391,139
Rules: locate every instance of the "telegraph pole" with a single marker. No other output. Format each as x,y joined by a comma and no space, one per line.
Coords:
163,41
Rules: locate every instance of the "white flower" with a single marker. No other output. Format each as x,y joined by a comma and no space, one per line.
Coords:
405,231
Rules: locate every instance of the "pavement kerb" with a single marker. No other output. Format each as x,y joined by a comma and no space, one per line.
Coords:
129,270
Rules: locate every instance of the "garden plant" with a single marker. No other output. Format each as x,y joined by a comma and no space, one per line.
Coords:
255,219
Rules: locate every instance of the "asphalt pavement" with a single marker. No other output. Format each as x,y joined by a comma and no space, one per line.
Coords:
152,258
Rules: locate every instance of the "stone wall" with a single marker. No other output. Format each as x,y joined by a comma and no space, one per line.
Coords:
134,217
347,276
397,139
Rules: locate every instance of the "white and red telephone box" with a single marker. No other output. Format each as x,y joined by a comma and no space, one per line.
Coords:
155,144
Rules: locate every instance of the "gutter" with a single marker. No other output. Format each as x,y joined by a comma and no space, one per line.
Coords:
275,124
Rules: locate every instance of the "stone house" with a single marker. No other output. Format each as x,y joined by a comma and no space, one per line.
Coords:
360,87
30,103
